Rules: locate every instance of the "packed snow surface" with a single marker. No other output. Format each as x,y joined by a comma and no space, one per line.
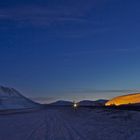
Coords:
65,123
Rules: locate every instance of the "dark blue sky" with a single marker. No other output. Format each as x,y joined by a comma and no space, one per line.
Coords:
76,49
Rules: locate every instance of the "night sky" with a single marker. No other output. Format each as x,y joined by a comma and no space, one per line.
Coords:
70,49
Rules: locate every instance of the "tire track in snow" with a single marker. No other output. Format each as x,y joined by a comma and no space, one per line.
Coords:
70,126
58,128
38,131
55,127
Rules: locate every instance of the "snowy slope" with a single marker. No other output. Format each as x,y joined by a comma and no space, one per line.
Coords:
12,99
68,124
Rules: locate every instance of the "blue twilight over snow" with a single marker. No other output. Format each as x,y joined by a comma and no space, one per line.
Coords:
70,48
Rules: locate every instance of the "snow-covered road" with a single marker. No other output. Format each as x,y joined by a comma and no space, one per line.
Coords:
67,124
56,126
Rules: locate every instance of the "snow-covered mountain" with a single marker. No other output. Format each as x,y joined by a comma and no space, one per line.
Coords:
12,99
100,102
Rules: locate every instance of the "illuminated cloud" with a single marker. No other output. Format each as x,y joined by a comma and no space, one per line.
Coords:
91,52
44,100
54,14
47,14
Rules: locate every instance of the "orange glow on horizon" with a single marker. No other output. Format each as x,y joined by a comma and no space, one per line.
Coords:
124,100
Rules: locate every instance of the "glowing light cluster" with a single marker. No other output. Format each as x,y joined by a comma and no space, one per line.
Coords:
124,100
75,105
